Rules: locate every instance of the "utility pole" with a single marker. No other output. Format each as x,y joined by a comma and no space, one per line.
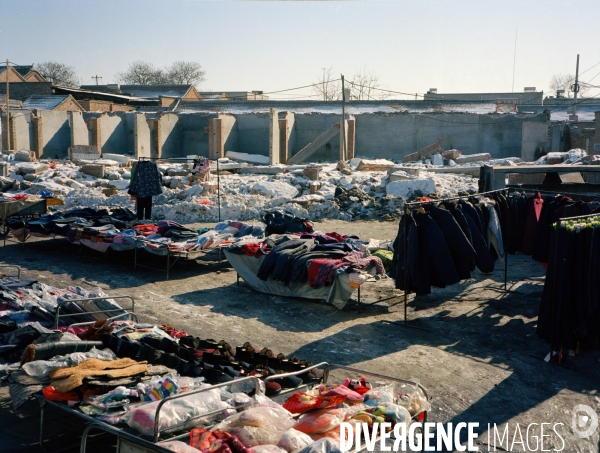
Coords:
7,110
96,77
343,128
576,88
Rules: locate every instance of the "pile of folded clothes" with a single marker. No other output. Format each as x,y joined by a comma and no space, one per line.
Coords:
315,258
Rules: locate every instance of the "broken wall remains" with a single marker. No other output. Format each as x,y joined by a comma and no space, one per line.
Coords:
56,134
253,133
169,143
194,133
310,126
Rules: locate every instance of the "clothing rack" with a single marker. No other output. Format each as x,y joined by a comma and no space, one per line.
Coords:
592,196
407,209
187,159
558,224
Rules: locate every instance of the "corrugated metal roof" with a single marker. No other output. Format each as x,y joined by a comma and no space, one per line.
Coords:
43,102
143,91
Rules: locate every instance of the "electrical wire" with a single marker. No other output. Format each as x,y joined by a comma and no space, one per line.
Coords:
589,69
306,86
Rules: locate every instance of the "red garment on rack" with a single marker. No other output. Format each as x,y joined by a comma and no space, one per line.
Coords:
533,217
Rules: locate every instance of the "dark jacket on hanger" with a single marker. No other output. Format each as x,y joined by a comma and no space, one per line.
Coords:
483,258
436,266
147,180
411,267
469,210
461,249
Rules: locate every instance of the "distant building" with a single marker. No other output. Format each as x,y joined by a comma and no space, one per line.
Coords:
233,95
164,95
528,96
56,102
102,101
18,74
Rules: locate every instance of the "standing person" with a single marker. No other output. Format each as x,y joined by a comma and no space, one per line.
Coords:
146,182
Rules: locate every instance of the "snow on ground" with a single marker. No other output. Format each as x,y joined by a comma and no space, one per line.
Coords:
242,196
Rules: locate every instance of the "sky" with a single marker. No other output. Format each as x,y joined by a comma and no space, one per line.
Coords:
456,46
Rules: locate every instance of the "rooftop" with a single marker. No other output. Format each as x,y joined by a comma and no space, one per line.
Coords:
44,102
23,70
142,91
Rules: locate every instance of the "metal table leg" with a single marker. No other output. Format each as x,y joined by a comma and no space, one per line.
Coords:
42,406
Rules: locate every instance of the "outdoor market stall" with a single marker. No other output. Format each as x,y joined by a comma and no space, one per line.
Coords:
316,265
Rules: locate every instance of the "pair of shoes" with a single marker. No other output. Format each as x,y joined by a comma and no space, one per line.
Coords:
197,343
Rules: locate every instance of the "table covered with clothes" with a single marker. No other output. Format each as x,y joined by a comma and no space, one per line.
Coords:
119,229
26,205
325,266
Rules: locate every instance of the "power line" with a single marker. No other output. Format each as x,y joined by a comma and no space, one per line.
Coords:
590,68
306,86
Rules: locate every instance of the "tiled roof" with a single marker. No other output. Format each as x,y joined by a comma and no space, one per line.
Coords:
23,70
43,102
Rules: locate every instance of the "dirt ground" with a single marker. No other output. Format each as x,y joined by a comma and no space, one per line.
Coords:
472,345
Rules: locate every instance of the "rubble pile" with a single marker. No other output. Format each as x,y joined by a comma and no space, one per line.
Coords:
314,192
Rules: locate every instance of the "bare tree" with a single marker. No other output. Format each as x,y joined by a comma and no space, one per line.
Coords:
185,73
179,73
328,86
366,86
58,73
141,73
566,82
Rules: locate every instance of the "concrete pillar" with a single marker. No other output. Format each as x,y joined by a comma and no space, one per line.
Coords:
216,144
287,136
556,133
141,136
156,146
274,140
343,139
4,134
351,137
94,127
595,147
13,134
79,131
38,136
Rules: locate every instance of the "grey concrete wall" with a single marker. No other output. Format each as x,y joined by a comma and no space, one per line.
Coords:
229,132
141,146
56,134
308,127
170,145
113,134
394,136
24,131
80,134
194,134
253,133
534,139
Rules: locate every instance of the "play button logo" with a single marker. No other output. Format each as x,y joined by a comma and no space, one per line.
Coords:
584,422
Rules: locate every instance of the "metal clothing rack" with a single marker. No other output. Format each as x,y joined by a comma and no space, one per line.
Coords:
186,159
558,226
407,210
